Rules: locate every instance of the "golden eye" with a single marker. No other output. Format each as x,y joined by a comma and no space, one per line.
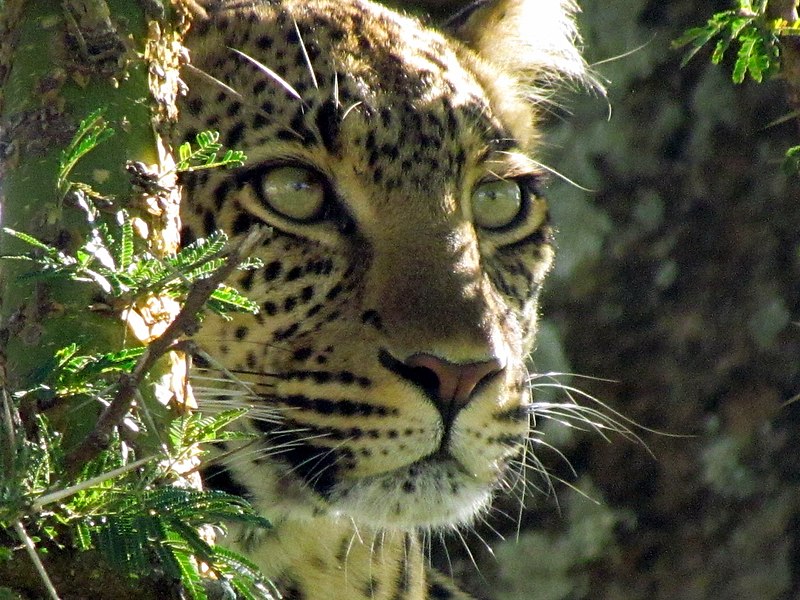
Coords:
294,192
496,204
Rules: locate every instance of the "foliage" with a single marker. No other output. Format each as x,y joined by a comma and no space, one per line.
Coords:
791,165
126,508
757,36
109,262
107,258
759,54
92,132
206,155
132,510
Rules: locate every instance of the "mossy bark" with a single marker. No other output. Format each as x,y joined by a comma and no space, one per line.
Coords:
59,61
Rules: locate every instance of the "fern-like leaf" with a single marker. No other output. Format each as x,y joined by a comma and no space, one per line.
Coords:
206,155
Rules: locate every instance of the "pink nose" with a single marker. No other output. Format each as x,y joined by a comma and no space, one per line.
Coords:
456,382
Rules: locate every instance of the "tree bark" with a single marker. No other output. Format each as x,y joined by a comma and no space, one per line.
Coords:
59,61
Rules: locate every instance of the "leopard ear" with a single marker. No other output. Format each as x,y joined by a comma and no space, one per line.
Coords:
534,41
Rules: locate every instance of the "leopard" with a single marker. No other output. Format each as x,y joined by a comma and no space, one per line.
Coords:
393,163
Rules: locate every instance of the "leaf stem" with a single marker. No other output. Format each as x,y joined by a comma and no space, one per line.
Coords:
45,499
37,562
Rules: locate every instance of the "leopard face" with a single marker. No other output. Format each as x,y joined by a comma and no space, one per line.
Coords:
398,292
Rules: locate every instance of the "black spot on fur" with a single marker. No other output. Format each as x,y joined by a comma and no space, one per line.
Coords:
234,108
217,477
303,353
285,334
319,467
307,293
187,236
243,222
235,135
209,222
328,124
272,271
264,42
260,121
259,86
298,125
290,590
371,317
294,274
195,106
436,591
334,292
221,193
246,280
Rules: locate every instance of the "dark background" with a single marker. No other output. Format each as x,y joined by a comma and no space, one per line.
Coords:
678,277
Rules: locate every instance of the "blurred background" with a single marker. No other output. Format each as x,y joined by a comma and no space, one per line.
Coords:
678,280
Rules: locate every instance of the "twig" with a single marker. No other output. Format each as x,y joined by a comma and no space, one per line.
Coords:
46,499
37,562
185,322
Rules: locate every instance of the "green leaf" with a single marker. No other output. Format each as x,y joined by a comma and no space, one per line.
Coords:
125,255
32,241
206,155
753,56
92,132
190,575
198,428
697,37
226,299
791,163
184,152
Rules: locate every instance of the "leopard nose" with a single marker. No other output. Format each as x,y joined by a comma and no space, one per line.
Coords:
450,384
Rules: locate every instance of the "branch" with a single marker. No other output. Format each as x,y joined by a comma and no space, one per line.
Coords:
31,550
184,323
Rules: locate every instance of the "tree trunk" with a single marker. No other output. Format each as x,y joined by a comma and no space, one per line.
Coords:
59,62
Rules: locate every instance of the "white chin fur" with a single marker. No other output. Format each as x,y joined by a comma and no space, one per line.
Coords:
422,496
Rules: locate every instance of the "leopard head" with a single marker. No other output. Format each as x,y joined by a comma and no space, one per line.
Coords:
395,166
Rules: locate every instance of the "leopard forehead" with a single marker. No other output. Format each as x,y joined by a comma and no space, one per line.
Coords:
325,80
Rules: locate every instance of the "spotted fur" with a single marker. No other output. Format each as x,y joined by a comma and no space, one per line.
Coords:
385,369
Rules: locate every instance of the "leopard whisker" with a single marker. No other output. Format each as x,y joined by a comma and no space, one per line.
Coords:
209,77
562,177
309,480
547,490
306,57
471,556
600,420
350,109
551,477
255,452
487,523
446,553
271,74
244,100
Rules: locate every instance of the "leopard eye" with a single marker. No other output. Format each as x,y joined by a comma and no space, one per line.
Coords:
294,192
495,204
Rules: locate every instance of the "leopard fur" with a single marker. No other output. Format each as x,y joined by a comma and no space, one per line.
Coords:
385,370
